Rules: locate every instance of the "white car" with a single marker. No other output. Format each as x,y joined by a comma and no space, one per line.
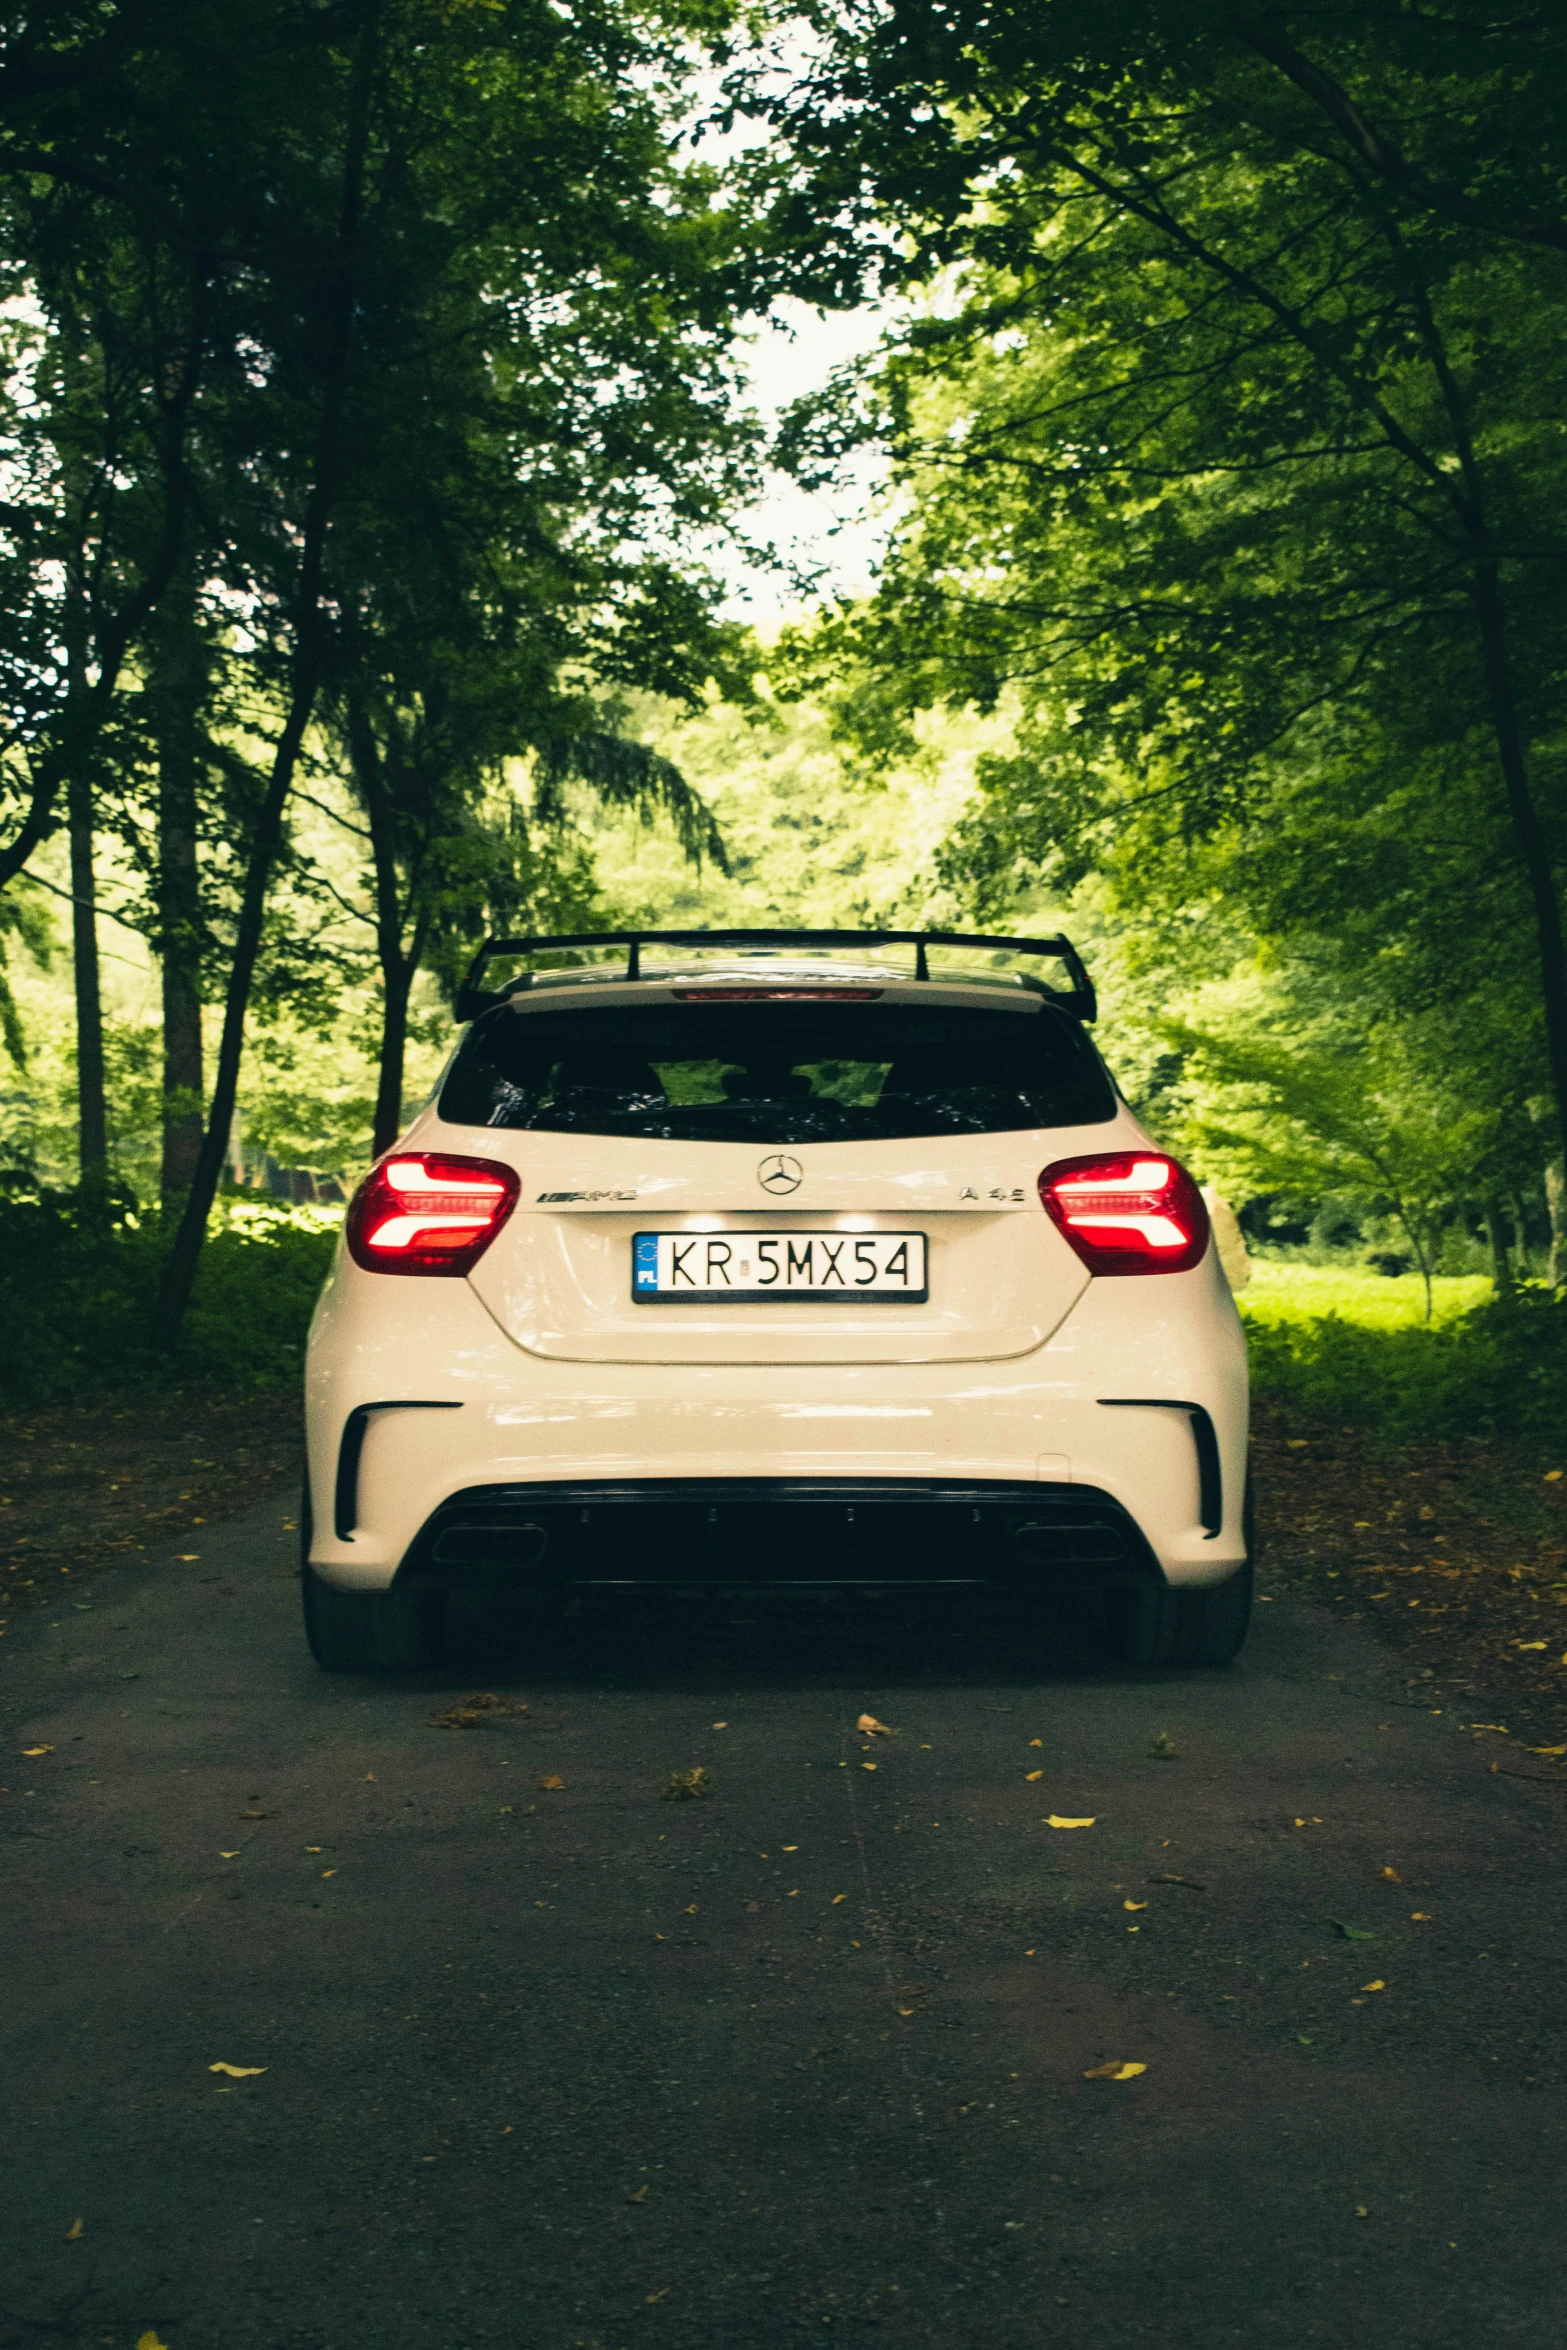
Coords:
741,1259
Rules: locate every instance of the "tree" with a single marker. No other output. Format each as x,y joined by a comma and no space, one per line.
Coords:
481,606
484,200
1230,449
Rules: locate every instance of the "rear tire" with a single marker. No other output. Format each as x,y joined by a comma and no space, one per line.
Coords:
1155,1625
364,1631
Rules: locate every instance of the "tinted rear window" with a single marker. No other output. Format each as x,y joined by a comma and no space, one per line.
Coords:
777,1073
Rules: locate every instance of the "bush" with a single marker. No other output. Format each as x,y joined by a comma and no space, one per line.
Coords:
1502,1368
76,1305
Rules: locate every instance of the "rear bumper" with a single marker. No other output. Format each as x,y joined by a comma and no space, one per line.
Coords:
780,1530
417,1404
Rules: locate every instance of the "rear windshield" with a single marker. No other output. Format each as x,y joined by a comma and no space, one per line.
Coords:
777,1073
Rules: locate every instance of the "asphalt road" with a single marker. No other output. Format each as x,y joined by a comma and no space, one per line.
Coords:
547,2067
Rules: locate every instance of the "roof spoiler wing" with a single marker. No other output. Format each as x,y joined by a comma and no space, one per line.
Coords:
473,997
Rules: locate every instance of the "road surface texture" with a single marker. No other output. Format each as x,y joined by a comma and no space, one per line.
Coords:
552,2065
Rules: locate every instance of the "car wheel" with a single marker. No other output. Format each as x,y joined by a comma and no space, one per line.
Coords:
364,1632
1153,1625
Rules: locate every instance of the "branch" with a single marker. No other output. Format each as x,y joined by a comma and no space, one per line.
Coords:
72,899
1364,394
1384,159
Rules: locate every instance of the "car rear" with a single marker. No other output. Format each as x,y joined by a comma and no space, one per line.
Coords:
778,1266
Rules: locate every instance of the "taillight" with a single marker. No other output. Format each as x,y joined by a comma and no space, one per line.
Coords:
1127,1212
428,1212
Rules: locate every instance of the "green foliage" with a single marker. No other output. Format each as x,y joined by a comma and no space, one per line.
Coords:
76,1304
23,919
1231,473
1301,1100
1498,1371
813,835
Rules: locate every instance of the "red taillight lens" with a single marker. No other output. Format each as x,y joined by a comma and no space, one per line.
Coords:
1130,1212
426,1212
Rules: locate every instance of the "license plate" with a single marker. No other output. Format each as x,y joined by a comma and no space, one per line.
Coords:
709,1266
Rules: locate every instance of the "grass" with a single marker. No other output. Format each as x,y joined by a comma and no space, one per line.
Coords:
1354,1347
1280,1293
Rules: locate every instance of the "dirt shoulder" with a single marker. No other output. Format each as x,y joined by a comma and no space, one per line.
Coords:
1456,1555
84,1485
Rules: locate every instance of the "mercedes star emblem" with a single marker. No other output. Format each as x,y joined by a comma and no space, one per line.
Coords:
780,1173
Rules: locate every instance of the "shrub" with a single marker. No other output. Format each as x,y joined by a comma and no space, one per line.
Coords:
76,1305
1501,1368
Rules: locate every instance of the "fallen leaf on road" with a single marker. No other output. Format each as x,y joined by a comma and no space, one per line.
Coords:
186,1558
74,2230
1114,2071
228,1856
329,1872
1528,1644
837,1897
1162,1746
1378,1985
1031,1776
1420,1917
150,2341
1545,1750
1036,1742
691,1912
256,1815
905,2011
659,2295
1350,1933
1134,1905
551,1783
1192,1884
637,2195
1392,1876
872,1728
32,1750
369,1775
1500,1728
482,1706
679,1787
1552,1476
720,1725
1055,1820
238,2072
315,1847
785,1848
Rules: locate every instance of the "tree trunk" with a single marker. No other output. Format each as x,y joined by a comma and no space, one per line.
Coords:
92,1128
397,968
1527,829
1501,1263
1556,1209
177,686
309,650
394,1048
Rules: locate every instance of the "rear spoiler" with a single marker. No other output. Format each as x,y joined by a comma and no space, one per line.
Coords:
472,998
